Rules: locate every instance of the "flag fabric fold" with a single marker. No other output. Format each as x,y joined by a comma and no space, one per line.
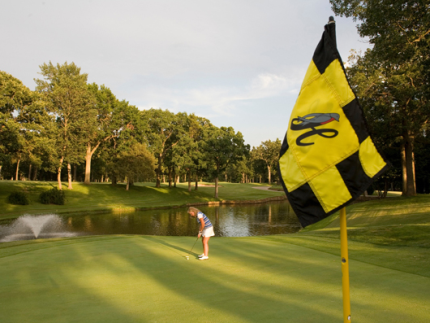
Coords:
327,158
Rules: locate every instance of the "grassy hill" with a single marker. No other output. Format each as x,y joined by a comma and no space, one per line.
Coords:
105,197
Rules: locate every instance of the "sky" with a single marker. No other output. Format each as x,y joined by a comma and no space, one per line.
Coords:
237,63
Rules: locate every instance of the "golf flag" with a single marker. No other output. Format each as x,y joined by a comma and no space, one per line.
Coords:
327,158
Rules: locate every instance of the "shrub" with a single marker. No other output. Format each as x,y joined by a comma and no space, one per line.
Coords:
53,196
18,198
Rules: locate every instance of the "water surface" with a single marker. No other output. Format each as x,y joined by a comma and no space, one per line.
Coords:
228,221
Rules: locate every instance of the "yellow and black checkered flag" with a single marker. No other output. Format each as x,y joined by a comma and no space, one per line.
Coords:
327,158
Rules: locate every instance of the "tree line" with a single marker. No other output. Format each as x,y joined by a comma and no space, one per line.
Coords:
391,81
67,122
68,129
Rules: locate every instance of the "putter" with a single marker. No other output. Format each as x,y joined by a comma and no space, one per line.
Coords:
188,256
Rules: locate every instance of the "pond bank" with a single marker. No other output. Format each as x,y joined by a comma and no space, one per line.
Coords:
104,197
148,208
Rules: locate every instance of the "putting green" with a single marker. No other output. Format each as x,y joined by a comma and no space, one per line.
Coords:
253,279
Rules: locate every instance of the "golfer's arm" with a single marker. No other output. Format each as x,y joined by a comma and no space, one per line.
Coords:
202,226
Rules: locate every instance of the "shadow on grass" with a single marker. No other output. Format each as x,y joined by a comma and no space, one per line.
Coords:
146,279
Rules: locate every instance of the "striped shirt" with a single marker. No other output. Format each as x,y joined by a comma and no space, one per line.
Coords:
201,215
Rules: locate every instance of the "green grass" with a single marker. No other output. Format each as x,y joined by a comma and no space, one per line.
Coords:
294,278
260,279
394,221
104,197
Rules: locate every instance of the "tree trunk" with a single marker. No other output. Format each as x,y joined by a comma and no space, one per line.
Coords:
17,169
260,179
170,177
413,173
269,174
158,171
59,174
216,187
189,182
197,183
408,165
101,180
404,172
128,184
114,180
69,176
29,172
410,169
385,188
35,173
88,156
174,178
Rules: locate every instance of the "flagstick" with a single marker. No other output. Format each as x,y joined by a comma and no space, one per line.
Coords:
345,267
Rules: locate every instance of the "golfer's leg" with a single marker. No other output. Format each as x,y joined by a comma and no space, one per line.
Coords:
206,245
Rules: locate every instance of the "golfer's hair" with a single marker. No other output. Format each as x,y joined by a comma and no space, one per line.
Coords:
193,209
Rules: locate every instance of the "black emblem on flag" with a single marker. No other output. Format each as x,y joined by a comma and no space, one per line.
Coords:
311,121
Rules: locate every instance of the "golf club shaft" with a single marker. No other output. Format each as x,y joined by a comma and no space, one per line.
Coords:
193,246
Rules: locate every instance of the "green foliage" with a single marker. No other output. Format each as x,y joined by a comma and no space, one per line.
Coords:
136,163
18,198
164,131
68,97
392,79
20,111
69,122
268,152
53,196
221,148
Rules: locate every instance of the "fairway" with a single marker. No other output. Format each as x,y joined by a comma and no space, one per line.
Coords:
255,279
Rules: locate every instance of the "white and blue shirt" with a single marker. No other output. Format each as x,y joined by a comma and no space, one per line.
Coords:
207,222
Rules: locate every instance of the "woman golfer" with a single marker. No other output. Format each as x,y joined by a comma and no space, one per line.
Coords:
206,230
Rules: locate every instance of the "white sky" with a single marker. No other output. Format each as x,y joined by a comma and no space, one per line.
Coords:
238,63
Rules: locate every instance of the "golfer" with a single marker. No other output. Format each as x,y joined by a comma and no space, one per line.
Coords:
206,230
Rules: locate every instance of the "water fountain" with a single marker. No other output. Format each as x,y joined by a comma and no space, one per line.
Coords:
28,227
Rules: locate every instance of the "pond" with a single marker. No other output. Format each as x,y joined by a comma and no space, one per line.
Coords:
228,221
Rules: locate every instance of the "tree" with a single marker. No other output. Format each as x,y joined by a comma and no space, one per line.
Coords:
268,151
111,120
398,67
68,99
423,163
222,147
187,155
137,162
22,116
132,133
163,133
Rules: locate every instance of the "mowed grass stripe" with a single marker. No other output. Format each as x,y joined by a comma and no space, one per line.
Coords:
147,279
